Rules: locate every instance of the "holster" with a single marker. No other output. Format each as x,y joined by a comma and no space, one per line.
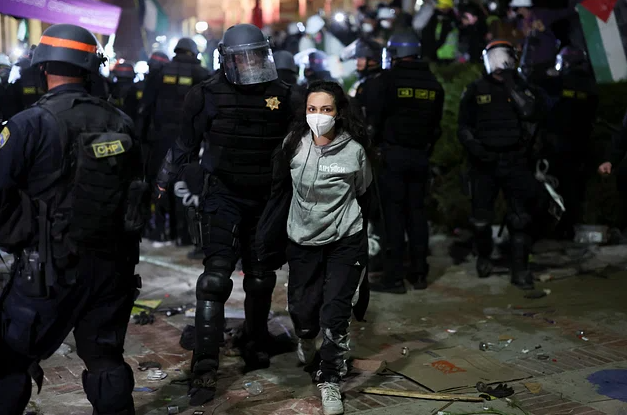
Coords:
194,220
32,275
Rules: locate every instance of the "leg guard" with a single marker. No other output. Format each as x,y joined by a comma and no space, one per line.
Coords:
215,283
483,236
258,287
109,387
521,247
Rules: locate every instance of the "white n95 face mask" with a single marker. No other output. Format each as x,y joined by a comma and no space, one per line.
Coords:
320,124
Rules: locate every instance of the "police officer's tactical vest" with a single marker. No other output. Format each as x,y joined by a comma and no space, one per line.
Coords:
246,129
575,110
176,79
86,198
497,123
32,89
416,93
119,93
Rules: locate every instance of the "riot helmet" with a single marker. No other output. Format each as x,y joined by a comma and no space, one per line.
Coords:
124,71
498,56
284,60
571,58
186,45
405,44
71,45
247,56
366,52
317,61
157,59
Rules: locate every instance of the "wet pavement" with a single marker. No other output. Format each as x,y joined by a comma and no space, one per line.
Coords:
580,326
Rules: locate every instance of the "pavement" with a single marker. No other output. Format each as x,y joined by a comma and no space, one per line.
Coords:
577,331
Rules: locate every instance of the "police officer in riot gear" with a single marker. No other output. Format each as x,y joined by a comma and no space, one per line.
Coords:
286,67
242,115
317,67
496,127
161,111
29,86
155,63
123,89
568,127
367,53
75,239
406,125
8,99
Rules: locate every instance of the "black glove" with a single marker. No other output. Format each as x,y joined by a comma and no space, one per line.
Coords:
194,177
478,151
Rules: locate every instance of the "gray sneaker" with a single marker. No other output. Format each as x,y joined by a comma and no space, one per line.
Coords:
331,398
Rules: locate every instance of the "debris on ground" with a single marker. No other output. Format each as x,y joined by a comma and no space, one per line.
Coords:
500,391
419,395
253,388
534,388
188,338
143,366
144,389
366,365
64,350
172,410
156,374
535,294
145,305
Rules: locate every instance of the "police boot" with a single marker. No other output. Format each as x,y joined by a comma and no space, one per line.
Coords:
521,275
484,267
420,267
255,345
209,335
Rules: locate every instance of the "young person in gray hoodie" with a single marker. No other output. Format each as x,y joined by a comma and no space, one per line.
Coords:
327,250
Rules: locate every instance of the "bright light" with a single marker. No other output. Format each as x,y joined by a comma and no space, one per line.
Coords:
216,60
108,49
16,53
493,6
201,26
171,45
418,5
141,67
340,17
201,42
301,26
161,39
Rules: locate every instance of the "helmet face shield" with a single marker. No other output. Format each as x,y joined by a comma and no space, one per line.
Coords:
499,58
249,64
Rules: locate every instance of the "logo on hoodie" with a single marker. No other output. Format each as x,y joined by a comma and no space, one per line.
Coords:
332,168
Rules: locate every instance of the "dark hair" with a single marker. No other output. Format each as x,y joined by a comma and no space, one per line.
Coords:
348,119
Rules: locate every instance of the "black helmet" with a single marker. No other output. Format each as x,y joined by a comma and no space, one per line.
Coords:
158,59
186,44
246,55
362,48
499,55
69,44
285,60
124,71
318,61
571,57
404,44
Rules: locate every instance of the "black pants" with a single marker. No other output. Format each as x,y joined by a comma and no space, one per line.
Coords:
403,182
321,286
512,174
98,307
231,216
568,168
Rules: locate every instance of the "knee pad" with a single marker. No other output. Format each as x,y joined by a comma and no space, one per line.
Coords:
215,283
259,283
518,222
110,390
481,226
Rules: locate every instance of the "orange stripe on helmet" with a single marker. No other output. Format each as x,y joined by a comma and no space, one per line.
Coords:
159,58
499,42
57,42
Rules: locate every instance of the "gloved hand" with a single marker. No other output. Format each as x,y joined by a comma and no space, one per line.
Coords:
194,176
509,76
477,150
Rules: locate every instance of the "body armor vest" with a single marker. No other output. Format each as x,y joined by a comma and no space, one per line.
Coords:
417,96
247,128
32,88
87,196
176,81
497,123
575,110
119,93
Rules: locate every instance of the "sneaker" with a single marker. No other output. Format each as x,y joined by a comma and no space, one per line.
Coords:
331,398
306,350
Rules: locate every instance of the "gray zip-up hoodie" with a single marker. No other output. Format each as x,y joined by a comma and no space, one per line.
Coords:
327,181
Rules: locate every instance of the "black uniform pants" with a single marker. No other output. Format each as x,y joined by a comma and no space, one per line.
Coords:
403,182
230,224
512,174
322,283
98,307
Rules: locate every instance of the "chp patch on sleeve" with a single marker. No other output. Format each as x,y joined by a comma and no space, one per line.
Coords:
4,136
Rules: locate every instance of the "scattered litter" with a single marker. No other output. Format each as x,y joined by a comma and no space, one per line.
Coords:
190,312
545,277
525,351
550,321
505,343
534,295
173,410
144,318
481,322
505,337
495,311
64,350
172,311
451,331
423,319
554,360
199,412
483,346
580,333
538,347
500,391
543,356
156,374
362,329
418,395
167,296
144,389
547,291
534,388
489,317
145,305
584,338
253,388
143,366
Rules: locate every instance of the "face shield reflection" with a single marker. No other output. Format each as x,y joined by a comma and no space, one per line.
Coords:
249,64
498,59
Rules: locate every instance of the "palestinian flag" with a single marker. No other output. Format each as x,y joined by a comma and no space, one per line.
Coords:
604,24
153,17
